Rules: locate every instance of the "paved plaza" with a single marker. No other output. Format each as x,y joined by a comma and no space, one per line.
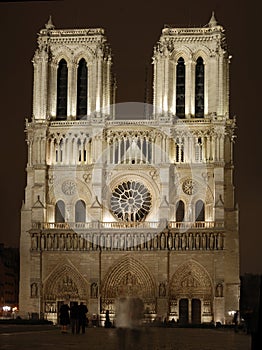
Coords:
50,337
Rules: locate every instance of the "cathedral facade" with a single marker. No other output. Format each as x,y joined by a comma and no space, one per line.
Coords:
131,207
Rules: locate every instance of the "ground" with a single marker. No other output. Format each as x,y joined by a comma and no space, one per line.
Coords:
46,336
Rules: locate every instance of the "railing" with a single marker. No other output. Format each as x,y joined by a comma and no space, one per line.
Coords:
96,225
154,122
195,225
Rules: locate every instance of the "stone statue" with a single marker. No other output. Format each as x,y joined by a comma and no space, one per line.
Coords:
220,241
170,243
94,290
34,290
155,240
177,241
162,241
211,242
108,242
190,242
162,290
197,243
115,240
49,242
42,242
219,290
183,243
34,242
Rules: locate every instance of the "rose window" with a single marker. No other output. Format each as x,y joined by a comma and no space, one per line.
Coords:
131,201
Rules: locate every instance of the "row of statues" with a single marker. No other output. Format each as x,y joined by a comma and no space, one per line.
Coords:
137,241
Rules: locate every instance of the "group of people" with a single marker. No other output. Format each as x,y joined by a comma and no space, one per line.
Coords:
75,316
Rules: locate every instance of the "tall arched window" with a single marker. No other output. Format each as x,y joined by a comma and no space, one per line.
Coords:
60,211
180,211
200,211
199,88
62,81
180,88
81,89
180,150
80,211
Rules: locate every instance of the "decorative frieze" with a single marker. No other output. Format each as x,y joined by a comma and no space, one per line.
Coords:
67,241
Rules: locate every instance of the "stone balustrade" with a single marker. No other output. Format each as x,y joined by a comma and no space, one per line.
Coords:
174,225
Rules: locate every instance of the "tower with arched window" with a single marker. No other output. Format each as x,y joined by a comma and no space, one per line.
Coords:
138,208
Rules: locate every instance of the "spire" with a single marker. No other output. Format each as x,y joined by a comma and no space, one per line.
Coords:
212,22
49,25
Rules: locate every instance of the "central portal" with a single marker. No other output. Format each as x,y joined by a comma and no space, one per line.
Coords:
189,311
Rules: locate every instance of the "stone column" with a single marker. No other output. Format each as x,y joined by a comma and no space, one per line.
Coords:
72,93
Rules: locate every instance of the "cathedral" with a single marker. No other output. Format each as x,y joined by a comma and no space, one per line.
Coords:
124,203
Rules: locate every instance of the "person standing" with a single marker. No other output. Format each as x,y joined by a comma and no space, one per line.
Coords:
64,317
74,318
82,311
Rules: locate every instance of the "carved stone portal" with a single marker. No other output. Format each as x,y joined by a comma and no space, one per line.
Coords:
191,281
129,278
65,283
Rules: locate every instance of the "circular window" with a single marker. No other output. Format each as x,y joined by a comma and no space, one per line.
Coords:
189,186
131,201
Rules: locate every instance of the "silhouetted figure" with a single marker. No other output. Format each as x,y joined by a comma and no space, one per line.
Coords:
82,311
74,318
64,317
108,323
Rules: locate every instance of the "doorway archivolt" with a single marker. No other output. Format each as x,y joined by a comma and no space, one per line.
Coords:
191,282
128,278
65,283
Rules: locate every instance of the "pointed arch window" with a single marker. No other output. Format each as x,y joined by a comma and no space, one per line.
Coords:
180,150
199,149
180,211
82,88
199,88
62,82
60,211
180,88
80,211
200,211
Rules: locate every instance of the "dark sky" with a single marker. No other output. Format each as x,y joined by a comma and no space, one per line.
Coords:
132,28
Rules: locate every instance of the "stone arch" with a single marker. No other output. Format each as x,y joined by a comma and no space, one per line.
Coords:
183,52
191,280
65,282
128,278
62,53
203,52
87,54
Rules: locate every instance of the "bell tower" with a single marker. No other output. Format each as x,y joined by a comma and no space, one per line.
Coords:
191,77
72,86
191,92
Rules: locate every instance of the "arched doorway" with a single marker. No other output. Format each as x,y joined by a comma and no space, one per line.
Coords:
190,295
65,283
128,278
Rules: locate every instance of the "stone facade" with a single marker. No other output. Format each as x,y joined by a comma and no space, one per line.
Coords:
139,208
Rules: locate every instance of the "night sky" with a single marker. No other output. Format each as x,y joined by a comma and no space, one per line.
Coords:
132,29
